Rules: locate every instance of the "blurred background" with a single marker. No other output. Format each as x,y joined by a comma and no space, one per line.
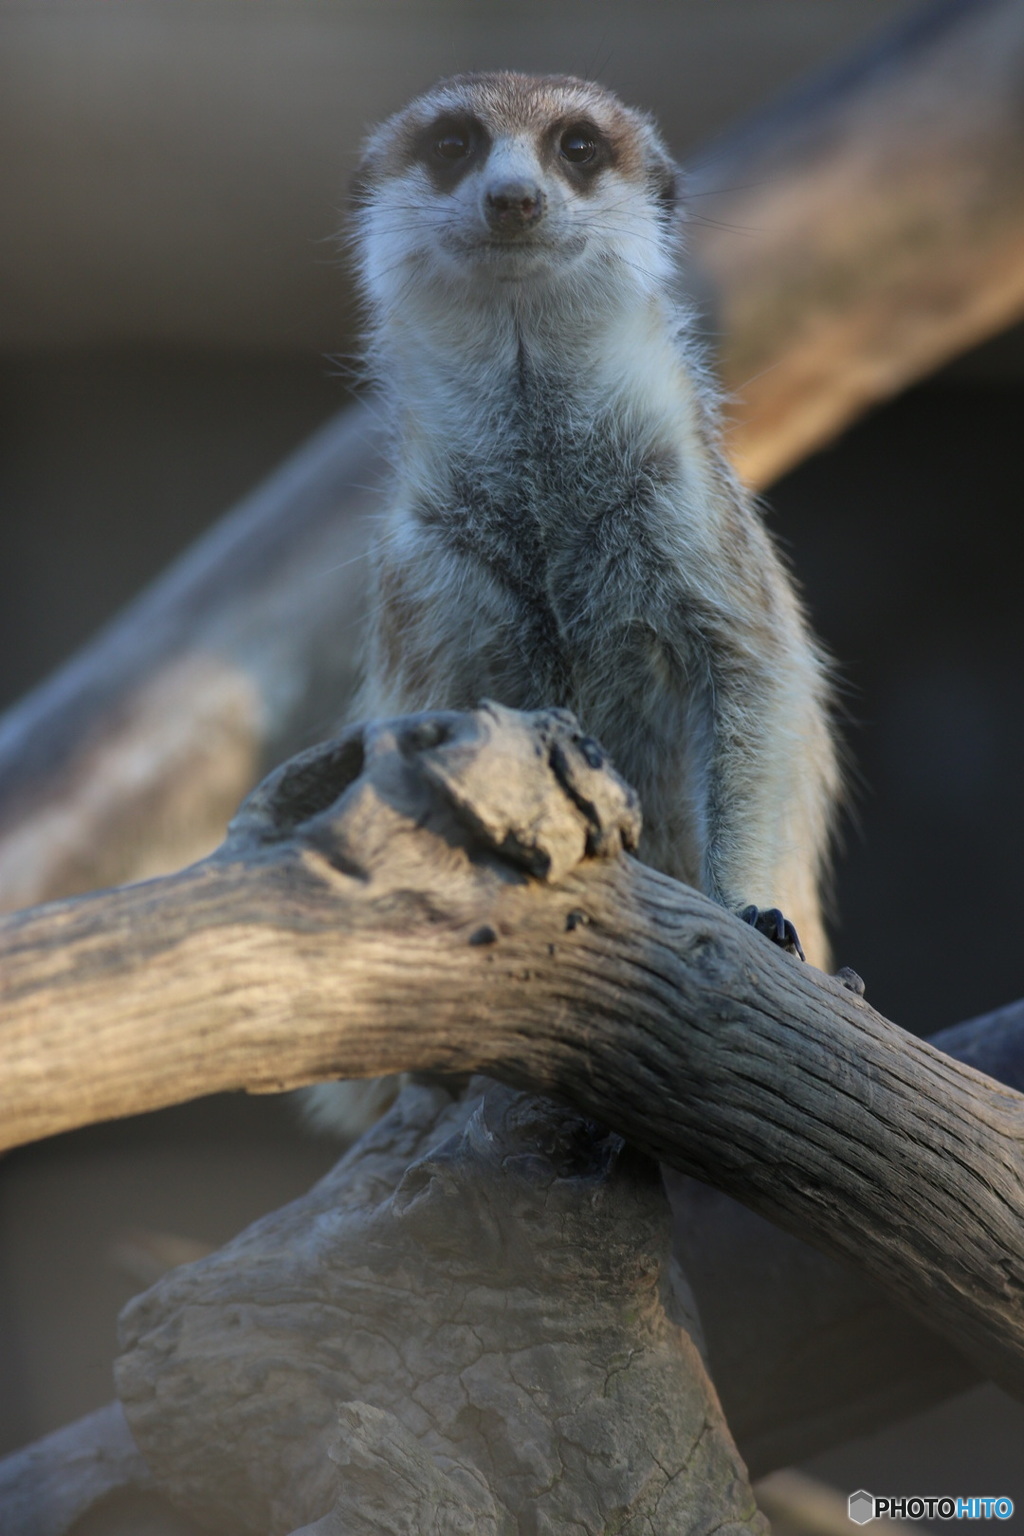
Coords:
171,301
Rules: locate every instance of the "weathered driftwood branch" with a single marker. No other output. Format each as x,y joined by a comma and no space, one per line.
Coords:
834,1358
48,1487
802,1352
469,1318
480,1289
856,238
131,759
416,896
794,1387
870,228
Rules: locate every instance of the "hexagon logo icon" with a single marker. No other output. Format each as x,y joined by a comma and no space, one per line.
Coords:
862,1506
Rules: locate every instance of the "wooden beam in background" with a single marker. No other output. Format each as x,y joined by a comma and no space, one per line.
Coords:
868,230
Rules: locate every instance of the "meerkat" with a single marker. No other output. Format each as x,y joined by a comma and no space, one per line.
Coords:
563,527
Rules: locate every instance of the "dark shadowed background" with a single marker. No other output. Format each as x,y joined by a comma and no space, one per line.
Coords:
171,179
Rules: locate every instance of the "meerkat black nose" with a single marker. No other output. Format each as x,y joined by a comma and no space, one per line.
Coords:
514,205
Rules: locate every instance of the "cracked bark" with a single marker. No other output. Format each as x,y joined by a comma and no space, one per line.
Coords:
334,933
468,1314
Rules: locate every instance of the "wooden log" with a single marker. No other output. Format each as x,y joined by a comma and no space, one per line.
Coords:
468,1318
469,1315
765,1300
130,760
868,229
855,238
441,894
835,1357
47,1488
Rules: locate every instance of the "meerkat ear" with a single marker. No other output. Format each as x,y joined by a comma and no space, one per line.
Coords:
666,180
664,176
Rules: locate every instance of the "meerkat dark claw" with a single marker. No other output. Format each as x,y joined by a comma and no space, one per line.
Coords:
771,922
848,978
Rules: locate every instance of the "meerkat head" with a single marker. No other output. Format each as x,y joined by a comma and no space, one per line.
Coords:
513,182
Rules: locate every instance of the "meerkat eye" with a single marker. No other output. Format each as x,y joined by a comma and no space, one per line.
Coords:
454,144
448,146
578,145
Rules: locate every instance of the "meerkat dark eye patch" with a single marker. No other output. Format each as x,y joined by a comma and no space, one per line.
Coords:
449,146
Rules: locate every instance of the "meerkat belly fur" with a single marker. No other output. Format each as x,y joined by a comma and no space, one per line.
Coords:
562,527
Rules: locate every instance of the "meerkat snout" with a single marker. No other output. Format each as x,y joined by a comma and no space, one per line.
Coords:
514,205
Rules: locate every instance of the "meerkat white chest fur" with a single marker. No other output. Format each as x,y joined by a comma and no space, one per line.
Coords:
562,526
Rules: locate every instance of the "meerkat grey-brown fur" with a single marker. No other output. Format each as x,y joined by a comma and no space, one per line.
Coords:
562,525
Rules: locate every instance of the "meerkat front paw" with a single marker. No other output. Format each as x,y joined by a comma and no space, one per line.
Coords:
774,926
